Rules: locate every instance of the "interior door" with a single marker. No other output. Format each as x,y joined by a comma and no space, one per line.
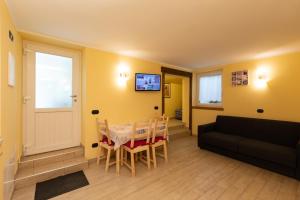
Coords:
51,98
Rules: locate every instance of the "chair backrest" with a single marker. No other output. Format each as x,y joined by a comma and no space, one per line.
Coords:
103,130
140,131
160,117
164,117
160,129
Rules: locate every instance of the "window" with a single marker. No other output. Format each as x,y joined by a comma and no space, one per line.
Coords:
53,81
210,89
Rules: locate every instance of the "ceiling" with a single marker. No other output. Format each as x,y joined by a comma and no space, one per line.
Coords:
186,33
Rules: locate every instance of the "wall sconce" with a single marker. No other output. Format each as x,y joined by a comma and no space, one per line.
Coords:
123,74
262,77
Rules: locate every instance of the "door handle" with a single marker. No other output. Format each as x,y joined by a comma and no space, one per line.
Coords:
26,98
73,96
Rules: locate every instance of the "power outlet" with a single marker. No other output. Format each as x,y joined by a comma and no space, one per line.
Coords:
94,145
260,110
95,112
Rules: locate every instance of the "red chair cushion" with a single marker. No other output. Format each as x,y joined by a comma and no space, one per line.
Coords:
159,138
136,143
105,141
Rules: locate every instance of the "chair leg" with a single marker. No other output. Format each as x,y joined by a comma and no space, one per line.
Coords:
99,154
118,161
107,160
148,158
165,151
132,164
122,156
154,157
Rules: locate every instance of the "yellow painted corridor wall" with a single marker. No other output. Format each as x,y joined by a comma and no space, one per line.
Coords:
280,99
175,101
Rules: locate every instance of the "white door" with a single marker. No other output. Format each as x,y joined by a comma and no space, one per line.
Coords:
51,98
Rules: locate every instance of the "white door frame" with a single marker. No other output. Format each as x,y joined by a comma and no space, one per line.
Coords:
29,102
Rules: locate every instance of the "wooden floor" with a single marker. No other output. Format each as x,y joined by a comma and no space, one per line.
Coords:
190,174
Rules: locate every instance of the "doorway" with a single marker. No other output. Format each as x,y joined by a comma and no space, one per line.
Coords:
177,96
173,98
51,98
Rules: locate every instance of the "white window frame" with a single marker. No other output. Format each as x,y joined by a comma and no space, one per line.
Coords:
209,105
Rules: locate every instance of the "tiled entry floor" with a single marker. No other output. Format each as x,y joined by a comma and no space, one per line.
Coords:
190,174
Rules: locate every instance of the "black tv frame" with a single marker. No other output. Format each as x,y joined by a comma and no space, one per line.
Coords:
147,90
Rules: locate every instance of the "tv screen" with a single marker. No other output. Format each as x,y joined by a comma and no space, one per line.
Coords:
147,82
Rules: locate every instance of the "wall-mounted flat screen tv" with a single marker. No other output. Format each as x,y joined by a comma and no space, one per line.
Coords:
147,82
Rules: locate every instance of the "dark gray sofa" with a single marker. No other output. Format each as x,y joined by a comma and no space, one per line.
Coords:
270,144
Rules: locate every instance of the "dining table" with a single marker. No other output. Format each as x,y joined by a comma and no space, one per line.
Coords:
121,133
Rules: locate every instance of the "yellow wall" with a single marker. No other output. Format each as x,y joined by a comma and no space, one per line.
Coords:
50,41
11,107
116,103
175,101
280,99
1,157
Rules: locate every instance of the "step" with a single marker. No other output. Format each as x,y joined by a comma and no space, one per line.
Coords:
50,157
45,166
175,124
179,133
175,127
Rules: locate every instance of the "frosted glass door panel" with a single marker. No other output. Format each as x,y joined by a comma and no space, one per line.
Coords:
53,81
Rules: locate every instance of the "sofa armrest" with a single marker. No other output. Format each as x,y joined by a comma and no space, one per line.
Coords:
298,160
204,129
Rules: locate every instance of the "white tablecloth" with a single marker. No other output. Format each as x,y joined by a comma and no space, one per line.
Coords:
120,134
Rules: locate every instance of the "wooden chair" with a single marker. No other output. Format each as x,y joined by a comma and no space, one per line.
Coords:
105,142
163,117
159,138
138,143
160,117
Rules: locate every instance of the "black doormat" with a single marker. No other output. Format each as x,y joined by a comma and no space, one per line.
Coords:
60,185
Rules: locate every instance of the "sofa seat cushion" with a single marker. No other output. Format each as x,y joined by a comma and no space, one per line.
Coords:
269,152
225,141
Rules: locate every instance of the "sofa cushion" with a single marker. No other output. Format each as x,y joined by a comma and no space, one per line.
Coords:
234,125
225,141
272,131
269,152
